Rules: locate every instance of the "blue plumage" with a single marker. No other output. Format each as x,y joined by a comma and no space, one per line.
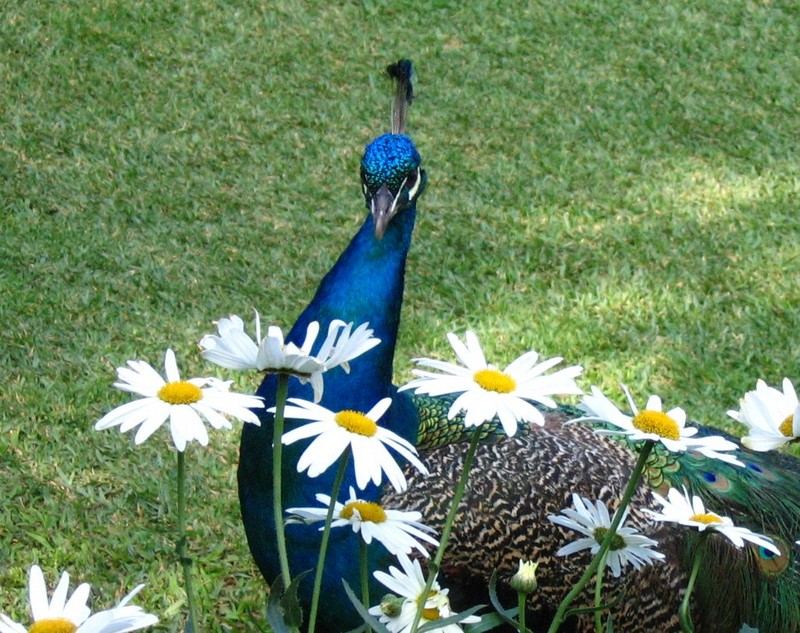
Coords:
365,285
389,159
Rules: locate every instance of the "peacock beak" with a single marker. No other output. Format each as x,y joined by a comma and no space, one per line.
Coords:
383,207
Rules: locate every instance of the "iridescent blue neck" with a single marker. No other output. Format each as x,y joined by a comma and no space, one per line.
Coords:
365,285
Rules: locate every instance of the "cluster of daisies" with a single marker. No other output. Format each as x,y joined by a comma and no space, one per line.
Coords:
62,615
772,417
485,392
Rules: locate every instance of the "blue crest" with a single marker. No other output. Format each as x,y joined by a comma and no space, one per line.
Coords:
389,159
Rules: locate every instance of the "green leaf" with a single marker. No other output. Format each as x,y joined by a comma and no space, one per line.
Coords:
370,619
506,615
284,613
488,622
435,625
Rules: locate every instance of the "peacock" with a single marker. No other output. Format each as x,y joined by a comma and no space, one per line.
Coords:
515,482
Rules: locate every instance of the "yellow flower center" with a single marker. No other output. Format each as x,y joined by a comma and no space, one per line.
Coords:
494,380
53,625
369,511
787,426
356,422
657,422
180,392
430,613
617,542
705,518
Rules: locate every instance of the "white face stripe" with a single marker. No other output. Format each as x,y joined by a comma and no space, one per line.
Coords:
393,210
412,192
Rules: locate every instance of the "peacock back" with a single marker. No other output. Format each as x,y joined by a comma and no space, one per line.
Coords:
515,483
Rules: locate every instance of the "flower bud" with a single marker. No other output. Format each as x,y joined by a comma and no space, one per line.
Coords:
524,581
391,605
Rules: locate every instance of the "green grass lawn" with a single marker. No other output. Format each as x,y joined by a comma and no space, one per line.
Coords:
616,183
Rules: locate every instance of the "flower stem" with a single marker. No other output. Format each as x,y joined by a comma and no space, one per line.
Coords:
277,485
598,589
448,526
636,475
685,615
326,533
362,551
186,562
522,599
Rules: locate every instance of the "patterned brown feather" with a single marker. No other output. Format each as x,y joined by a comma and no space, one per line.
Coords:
515,483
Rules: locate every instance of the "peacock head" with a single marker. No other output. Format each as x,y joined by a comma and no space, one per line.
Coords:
391,178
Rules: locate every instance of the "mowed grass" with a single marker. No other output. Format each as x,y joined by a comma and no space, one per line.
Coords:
615,183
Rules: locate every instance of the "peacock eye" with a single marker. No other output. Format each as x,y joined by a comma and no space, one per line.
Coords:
412,183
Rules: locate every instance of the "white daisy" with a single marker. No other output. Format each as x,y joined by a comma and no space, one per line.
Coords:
335,431
487,392
343,344
400,532
409,584
627,546
59,615
773,417
690,511
652,423
184,402
232,348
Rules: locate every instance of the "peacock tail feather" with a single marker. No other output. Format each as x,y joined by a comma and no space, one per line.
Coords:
515,483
